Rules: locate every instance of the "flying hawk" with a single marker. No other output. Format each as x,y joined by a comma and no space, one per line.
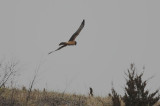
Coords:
72,39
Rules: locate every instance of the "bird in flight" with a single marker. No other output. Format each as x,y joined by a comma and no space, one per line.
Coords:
72,39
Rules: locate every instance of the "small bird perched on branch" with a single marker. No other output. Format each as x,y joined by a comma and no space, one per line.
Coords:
72,39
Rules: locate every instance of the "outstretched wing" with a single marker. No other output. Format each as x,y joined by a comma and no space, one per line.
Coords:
57,49
78,31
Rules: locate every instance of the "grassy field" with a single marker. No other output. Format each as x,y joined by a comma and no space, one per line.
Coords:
18,97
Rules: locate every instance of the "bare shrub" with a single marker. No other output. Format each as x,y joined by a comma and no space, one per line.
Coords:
8,70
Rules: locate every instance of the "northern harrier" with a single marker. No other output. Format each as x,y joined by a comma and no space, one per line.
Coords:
72,39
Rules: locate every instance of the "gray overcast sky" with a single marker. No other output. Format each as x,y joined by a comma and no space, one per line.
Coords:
116,33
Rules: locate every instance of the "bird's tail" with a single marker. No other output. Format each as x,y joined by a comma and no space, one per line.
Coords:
51,52
62,43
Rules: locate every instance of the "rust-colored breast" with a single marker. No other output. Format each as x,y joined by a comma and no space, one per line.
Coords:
71,43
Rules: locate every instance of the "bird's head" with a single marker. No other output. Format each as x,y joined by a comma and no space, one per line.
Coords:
75,43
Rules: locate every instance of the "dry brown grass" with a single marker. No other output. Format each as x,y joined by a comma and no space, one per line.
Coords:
17,97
